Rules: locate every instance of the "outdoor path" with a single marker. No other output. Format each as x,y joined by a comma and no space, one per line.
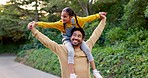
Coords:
11,69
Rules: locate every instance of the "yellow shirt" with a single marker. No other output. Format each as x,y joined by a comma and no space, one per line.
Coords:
81,65
59,24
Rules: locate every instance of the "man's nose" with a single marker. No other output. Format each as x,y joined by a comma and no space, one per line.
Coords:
76,37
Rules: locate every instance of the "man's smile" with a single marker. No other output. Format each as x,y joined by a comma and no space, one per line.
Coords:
75,41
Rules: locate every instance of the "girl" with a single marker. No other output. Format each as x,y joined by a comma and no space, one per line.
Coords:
68,21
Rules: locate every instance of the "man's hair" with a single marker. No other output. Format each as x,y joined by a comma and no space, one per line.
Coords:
78,29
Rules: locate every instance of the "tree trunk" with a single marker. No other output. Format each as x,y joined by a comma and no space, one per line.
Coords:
89,6
84,7
36,11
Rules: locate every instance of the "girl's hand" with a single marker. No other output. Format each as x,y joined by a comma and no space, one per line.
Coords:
31,25
102,14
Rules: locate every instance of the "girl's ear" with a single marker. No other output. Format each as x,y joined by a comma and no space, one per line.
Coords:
70,18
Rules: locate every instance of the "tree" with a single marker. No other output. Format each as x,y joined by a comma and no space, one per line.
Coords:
134,14
12,24
25,4
84,6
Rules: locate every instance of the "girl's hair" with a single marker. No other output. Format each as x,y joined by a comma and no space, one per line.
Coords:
70,13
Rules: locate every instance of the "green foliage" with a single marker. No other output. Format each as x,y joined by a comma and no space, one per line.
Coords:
52,33
146,12
42,59
114,9
115,35
134,17
13,25
137,39
10,48
116,61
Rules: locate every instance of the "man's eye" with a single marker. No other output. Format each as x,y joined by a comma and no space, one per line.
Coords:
79,36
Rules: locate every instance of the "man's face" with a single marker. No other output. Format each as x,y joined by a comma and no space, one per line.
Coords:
76,38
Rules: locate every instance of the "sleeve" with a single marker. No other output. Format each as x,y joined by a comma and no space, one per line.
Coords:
89,18
96,34
57,25
45,41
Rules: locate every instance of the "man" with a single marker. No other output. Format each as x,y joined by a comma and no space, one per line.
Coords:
81,65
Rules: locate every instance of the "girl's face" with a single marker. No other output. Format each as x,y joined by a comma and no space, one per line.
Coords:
65,17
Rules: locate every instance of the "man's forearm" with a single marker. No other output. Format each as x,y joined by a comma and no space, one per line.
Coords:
44,40
97,33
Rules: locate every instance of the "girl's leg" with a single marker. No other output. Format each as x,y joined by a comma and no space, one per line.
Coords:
70,56
90,58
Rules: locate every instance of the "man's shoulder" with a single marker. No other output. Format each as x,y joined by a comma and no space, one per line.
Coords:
61,49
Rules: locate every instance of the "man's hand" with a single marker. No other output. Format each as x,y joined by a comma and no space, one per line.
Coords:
102,14
31,25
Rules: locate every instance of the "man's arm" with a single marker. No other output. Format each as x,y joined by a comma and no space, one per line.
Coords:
97,33
45,40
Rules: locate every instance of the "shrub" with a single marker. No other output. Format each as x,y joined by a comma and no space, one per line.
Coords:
42,59
115,34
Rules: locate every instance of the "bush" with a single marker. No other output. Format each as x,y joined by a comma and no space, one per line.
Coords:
115,34
9,48
42,59
116,62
